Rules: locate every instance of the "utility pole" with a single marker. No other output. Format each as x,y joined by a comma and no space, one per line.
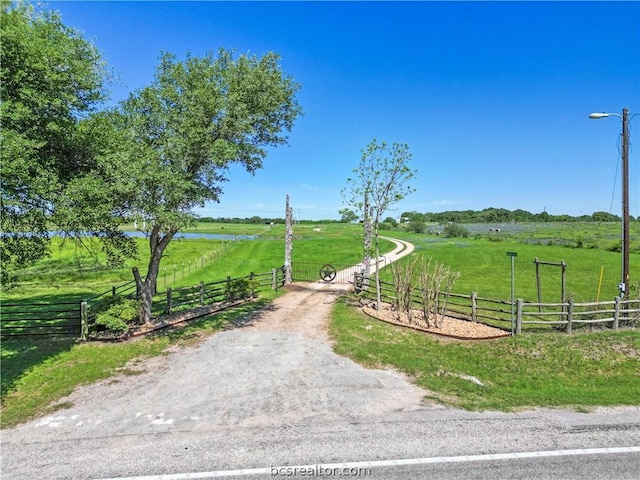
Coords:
624,281
625,203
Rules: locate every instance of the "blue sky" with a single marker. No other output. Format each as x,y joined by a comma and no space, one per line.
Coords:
492,98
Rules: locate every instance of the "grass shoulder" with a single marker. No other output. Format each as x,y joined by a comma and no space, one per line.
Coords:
578,371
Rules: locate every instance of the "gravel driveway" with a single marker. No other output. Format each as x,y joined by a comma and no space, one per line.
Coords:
278,369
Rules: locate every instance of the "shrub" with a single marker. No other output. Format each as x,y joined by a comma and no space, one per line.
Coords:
117,314
452,230
386,226
416,226
616,247
239,288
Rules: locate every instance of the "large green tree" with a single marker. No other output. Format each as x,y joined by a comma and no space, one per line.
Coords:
177,137
51,79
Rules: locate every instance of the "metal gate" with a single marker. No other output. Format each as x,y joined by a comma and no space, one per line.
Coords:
324,272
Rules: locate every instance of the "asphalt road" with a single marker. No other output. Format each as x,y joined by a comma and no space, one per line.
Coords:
249,402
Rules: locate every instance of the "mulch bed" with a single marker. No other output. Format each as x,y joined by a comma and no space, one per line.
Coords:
450,327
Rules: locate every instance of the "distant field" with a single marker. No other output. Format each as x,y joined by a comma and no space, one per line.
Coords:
72,274
486,269
481,259
602,235
584,246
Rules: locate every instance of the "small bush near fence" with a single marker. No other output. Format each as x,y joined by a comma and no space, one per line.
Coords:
117,315
434,283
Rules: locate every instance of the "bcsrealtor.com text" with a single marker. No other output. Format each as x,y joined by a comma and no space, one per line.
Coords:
319,471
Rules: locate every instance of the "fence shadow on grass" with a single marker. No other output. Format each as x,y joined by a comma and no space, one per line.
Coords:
19,354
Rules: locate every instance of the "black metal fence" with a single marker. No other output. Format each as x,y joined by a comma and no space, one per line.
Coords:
40,319
325,272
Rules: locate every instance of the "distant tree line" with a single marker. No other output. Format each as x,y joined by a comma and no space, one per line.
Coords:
502,215
258,220
488,215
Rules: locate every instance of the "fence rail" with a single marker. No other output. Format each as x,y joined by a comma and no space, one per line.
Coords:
522,315
40,319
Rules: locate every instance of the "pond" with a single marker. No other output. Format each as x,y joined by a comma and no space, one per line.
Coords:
202,236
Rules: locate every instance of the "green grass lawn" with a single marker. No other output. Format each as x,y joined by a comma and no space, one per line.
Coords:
486,269
531,370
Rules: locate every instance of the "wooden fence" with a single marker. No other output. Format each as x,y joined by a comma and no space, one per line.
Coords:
521,315
77,318
176,299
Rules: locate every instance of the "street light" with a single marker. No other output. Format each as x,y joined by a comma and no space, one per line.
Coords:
624,282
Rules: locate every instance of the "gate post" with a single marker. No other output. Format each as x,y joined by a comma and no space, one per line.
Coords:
288,243
84,321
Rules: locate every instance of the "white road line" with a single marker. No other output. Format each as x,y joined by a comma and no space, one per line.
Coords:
386,463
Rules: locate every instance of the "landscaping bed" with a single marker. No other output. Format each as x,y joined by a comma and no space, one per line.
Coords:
449,326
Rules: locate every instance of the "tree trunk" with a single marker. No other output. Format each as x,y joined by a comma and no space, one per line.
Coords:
288,243
367,238
378,295
147,288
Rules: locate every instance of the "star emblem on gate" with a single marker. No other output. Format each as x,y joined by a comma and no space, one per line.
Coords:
328,273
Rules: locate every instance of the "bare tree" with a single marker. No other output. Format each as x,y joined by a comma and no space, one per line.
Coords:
435,284
403,273
380,180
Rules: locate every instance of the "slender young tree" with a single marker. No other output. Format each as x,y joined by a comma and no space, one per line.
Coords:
381,179
178,136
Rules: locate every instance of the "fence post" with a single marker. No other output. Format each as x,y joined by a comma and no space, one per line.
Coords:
569,315
474,306
519,303
136,275
168,300
616,314
274,279
84,321
113,291
202,293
